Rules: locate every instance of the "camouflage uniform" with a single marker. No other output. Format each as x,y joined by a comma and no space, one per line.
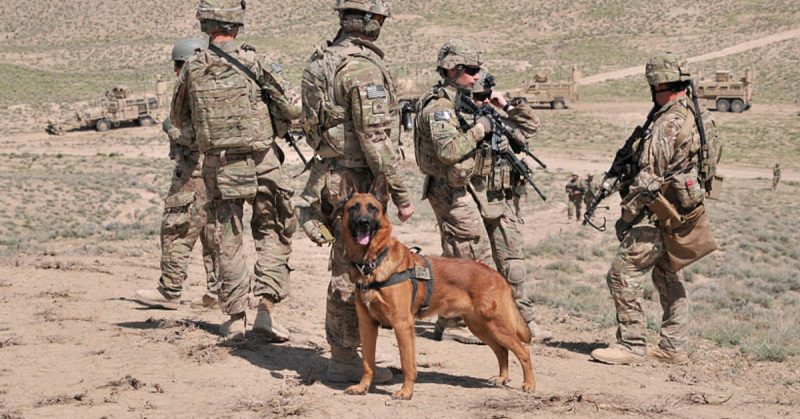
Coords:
242,163
776,177
446,153
589,191
500,217
351,120
669,151
575,193
184,214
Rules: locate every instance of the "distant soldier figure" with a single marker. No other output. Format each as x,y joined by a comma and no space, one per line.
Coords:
184,208
497,182
589,190
575,192
776,176
237,106
351,121
445,143
663,226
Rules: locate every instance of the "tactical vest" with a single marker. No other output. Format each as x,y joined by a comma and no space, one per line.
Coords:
457,175
227,109
327,124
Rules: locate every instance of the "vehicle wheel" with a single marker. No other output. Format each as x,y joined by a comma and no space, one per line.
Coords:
723,105
558,104
737,106
102,125
146,121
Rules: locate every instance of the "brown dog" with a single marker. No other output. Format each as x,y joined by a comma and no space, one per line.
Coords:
467,289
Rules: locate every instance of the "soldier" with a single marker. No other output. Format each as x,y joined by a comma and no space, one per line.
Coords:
498,183
589,190
184,208
350,118
776,176
445,147
237,106
667,166
574,197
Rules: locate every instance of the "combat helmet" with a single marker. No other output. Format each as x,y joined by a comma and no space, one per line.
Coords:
667,68
187,47
220,15
456,52
372,7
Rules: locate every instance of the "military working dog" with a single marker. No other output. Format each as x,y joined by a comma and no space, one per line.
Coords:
395,286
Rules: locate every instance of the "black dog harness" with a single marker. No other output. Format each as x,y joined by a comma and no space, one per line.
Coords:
415,274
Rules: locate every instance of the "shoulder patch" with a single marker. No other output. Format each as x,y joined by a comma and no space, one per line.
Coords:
442,116
376,92
276,68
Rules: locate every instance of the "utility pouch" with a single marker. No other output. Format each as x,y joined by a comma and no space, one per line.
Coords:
716,186
459,174
237,179
690,241
667,214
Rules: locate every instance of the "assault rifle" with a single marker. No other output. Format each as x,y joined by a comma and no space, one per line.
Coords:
501,130
703,156
622,171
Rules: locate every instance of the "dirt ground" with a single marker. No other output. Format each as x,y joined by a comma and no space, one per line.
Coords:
74,344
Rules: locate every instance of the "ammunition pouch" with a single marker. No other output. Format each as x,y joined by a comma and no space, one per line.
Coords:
236,177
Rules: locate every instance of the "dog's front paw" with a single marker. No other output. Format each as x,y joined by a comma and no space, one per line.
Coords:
528,388
403,394
357,389
498,381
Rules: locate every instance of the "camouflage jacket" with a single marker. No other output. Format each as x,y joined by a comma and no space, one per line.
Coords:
667,160
246,114
443,148
524,125
589,190
574,190
364,89
776,172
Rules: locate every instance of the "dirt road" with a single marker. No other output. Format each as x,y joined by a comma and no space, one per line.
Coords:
735,49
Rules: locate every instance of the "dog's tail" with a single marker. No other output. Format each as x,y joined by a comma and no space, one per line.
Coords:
523,332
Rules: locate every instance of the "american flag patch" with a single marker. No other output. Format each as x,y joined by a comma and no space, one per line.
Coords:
376,92
276,68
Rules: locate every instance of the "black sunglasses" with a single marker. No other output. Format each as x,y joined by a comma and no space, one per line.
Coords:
471,70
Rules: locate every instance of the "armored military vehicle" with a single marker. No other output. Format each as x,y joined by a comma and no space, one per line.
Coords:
725,94
116,107
555,94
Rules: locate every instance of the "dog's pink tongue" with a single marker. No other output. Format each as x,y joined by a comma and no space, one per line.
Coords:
363,239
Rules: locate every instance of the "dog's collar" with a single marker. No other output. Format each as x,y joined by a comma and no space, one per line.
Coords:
367,268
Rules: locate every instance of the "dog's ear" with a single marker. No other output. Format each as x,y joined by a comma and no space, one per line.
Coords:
380,189
347,188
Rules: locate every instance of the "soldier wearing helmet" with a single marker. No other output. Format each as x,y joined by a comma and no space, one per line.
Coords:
666,167
446,148
184,208
350,117
235,130
495,186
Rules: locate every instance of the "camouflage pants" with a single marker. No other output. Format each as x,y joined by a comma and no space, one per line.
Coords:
641,250
182,224
775,181
273,225
341,322
574,206
459,219
509,256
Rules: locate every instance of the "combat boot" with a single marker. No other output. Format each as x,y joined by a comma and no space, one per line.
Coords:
664,355
207,301
234,328
538,333
267,325
156,299
618,354
345,367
